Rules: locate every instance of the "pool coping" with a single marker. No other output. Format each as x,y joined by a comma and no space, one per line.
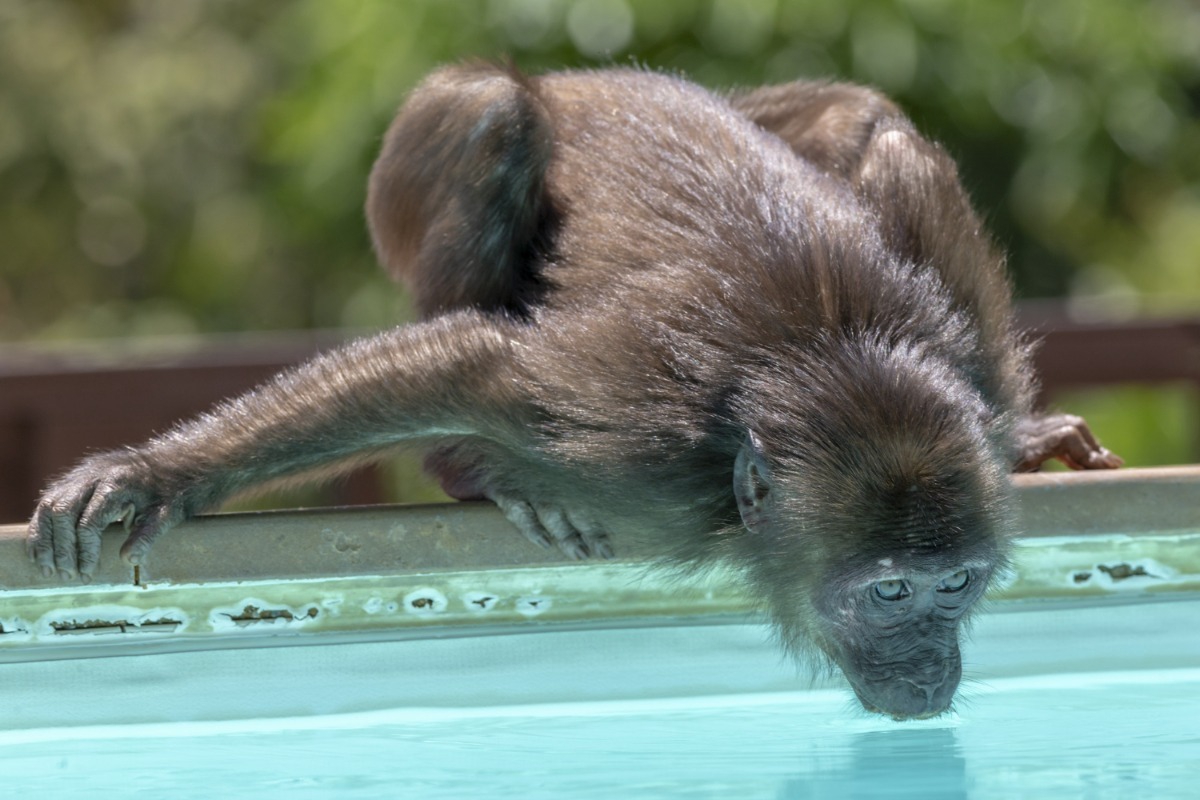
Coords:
1122,536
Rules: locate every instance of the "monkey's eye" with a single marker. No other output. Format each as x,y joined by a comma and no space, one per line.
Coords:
956,582
892,590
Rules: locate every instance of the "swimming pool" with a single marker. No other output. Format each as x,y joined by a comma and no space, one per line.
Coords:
687,712
539,680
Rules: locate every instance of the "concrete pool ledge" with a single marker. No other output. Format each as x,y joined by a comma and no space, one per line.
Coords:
441,570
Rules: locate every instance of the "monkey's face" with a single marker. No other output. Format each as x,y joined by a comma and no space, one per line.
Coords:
894,633
879,580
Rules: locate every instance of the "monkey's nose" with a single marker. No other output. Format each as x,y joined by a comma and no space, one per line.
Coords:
907,700
928,701
911,698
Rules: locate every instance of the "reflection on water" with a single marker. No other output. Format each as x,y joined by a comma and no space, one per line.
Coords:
895,764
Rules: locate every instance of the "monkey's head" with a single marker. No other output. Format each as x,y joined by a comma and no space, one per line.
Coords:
872,529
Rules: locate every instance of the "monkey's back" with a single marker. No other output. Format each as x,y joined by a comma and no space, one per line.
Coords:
692,248
691,243
659,182
664,253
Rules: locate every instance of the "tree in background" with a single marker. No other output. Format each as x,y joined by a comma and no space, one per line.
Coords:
198,165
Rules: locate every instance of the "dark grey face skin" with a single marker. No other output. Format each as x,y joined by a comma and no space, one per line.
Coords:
903,659
630,288
890,623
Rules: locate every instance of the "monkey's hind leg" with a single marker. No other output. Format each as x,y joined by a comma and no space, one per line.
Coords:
456,201
573,531
828,124
466,473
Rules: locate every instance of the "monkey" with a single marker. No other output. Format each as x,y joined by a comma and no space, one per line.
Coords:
763,328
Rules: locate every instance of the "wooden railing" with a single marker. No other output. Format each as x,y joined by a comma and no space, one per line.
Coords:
56,406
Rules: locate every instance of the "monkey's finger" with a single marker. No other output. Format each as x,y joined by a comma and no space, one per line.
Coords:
565,535
1070,444
146,529
65,507
1096,456
594,536
1078,448
522,515
1081,444
89,537
39,542
109,504
65,544
1065,437
51,538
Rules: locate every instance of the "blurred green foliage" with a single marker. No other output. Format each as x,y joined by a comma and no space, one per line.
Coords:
178,166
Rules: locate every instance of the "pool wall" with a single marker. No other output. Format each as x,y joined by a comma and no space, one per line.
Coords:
396,589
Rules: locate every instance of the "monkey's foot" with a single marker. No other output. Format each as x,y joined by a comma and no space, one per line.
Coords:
573,532
1063,436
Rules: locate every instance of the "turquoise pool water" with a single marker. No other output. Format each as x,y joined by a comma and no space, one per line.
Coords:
1103,735
1097,702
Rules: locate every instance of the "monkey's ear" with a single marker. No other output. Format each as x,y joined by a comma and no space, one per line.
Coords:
752,483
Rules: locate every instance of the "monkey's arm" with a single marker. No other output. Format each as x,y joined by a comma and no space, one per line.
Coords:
444,378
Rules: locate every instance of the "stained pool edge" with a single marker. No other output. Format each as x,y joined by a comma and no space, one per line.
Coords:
1114,538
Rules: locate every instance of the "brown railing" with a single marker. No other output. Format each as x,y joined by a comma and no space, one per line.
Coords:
1076,354
56,406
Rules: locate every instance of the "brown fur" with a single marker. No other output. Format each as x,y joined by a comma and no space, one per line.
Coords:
764,329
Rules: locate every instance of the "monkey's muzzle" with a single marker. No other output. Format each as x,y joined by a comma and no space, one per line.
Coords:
919,694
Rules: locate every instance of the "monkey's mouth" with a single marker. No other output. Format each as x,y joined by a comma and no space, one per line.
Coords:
911,703
904,699
919,688
902,717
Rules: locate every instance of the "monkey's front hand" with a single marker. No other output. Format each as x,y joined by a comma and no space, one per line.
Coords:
1063,436
64,533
